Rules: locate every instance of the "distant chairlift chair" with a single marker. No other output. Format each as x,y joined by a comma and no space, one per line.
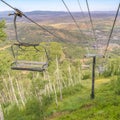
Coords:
23,64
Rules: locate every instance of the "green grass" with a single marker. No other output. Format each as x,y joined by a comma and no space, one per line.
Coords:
76,103
79,106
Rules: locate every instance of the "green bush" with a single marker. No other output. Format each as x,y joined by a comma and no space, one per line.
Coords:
86,75
33,110
113,68
13,113
2,33
72,90
117,86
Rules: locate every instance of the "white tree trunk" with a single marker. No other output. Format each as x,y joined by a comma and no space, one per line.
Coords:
1,114
70,77
13,90
50,85
58,77
79,75
56,100
7,89
21,97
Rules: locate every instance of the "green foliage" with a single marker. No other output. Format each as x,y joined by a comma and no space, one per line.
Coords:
2,24
75,99
113,68
33,110
72,90
73,51
14,113
5,62
2,33
86,75
117,86
78,106
55,50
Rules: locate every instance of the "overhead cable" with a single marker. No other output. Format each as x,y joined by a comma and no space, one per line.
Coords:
77,25
61,39
83,15
111,32
72,17
91,21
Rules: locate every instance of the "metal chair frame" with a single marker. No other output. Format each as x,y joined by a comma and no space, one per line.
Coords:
22,64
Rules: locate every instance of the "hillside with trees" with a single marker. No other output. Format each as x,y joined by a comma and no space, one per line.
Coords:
62,92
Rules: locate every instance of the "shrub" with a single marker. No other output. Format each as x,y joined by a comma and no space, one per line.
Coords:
117,86
113,68
33,110
86,76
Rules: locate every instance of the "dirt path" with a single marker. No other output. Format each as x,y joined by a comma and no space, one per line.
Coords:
5,47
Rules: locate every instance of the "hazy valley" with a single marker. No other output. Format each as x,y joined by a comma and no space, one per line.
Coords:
62,25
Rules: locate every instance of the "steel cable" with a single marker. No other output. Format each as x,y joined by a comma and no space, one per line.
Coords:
111,32
91,21
59,38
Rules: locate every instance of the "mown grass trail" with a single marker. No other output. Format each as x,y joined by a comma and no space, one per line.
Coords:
79,106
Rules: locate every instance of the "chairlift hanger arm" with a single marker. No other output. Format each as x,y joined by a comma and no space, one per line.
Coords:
93,55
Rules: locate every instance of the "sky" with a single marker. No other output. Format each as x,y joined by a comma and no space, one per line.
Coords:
57,5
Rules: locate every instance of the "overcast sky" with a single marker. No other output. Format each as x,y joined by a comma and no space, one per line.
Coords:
57,5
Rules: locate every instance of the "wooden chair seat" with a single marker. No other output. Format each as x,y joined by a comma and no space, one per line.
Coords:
25,44
29,65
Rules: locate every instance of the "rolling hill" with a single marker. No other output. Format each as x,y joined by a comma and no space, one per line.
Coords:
62,25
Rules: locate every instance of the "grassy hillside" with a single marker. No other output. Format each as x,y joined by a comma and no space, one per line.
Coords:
62,92
79,106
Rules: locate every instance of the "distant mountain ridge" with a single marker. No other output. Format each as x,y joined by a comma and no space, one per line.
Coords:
54,16
61,24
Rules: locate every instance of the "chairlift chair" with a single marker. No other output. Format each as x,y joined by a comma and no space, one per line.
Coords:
102,66
84,65
27,65
101,69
